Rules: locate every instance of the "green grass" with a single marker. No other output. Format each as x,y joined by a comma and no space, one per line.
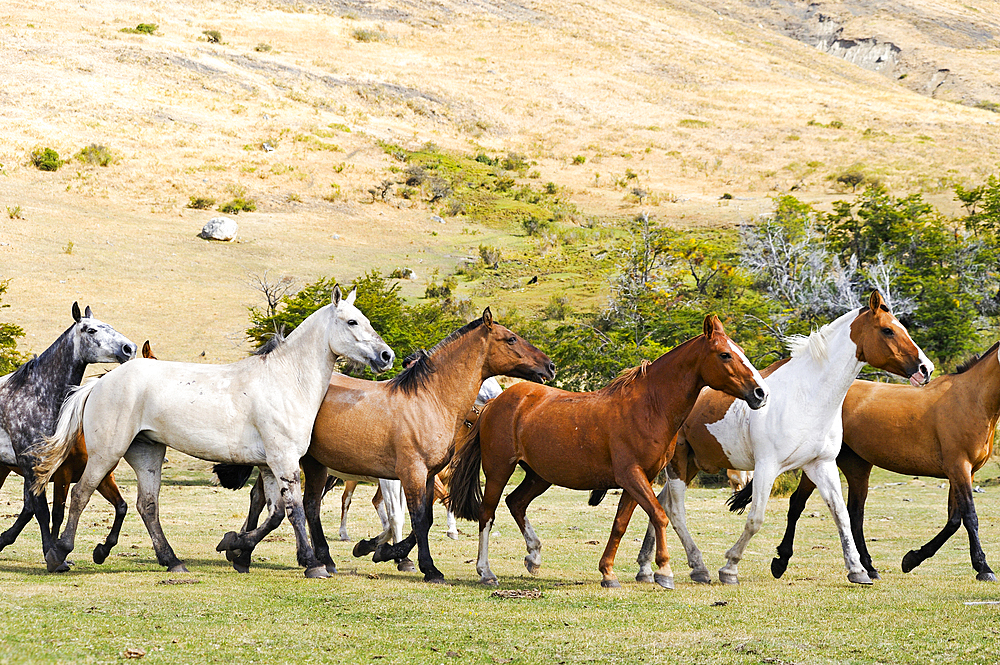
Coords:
812,615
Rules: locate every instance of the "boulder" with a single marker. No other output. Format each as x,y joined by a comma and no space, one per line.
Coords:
219,228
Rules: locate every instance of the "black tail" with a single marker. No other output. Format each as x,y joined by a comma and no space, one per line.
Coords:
232,476
739,501
596,496
466,494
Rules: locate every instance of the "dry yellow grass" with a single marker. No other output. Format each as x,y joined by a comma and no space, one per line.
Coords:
694,102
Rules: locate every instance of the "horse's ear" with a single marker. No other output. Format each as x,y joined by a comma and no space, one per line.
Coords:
875,301
336,295
709,326
76,312
147,351
488,318
351,296
87,314
717,325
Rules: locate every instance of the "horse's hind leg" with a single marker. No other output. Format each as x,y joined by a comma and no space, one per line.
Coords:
635,483
968,509
312,501
345,505
146,459
763,479
109,490
857,471
671,497
517,502
796,504
626,506
240,546
824,474
10,535
421,518
60,490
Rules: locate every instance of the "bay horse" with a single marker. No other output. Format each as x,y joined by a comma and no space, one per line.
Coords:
800,429
257,411
403,429
620,436
30,399
943,430
70,472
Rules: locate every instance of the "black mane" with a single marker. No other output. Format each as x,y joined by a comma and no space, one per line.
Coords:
416,376
974,359
273,342
21,374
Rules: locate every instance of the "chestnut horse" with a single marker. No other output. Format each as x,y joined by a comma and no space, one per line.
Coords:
944,430
800,429
404,428
70,472
620,436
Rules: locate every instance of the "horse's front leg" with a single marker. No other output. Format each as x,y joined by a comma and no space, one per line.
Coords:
626,506
418,484
316,475
11,534
287,474
763,479
671,497
345,505
796,504
824,474
146,459
635,482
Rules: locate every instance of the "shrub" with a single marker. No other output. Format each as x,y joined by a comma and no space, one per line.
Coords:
334,194
367,35
14,212
46,159
490,255
263,47
237,205
10,357
534,226
213,36
852,177
201,202
579,159
141,29
96,153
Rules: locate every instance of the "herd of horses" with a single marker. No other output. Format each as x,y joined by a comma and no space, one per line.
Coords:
701,406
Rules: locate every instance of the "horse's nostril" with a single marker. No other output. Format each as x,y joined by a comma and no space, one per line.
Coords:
386,356
923,370
759,393
128,350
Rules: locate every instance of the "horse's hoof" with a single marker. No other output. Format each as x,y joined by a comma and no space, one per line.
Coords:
62,568
727,577
317,572
667,582
778,568
611,584
364,547
178,568
452,534
331,568
987,576
701,577
859,578
874,574
910,561
101,553
532,567
228,542
405,566
241,567
434,577
489,581
53,562
344,538
644,577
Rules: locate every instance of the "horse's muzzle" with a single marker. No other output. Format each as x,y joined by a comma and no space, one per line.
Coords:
757,398
383,362
125,353
547,373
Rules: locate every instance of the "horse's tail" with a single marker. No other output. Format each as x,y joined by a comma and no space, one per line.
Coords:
466,494
232,476
596,496
739,501
53,450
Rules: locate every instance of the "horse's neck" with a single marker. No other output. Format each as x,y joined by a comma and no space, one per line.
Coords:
61,366
672,386
458,372
828,379
305,358
984,379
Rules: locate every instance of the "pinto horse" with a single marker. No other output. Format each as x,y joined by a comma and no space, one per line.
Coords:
801,428
404,428
257,411
30,399
944,430
620,436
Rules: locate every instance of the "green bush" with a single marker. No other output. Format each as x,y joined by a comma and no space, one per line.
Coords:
46,159
96,154
10,357
213,36
142,29
201,202
238,205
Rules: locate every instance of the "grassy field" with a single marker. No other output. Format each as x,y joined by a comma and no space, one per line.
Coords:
370,613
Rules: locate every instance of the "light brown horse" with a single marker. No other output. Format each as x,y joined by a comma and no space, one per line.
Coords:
404,428
944,430
800,429
70,472
620,436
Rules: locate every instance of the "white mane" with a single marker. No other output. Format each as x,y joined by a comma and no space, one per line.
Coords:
815,344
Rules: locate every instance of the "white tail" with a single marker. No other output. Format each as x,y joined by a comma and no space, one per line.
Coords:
54,450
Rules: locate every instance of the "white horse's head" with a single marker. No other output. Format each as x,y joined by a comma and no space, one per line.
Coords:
351,335
96,342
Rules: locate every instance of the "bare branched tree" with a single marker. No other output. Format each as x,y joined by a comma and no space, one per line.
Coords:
273,291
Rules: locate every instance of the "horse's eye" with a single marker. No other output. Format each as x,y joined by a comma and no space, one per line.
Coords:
91,331
352,322
725,355
887,332
512,340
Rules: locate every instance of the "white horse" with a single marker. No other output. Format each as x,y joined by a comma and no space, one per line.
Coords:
800,428
257,411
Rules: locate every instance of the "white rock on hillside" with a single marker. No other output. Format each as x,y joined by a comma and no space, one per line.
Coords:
219,228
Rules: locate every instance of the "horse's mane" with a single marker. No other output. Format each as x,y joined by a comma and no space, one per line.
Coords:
815,343
626,378
21,375
273,342
416,376
974,359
